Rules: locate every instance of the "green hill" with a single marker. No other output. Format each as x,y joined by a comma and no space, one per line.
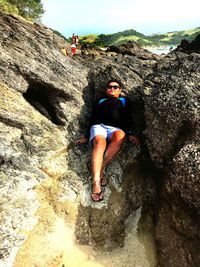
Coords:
174,38
170,38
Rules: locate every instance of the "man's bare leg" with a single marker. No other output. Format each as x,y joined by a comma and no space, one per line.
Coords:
113,148
99,146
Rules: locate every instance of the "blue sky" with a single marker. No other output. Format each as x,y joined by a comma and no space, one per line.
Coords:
109,16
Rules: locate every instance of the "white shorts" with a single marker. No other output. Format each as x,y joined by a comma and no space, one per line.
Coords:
102,129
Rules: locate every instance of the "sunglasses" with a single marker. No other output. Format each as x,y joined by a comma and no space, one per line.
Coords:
113,86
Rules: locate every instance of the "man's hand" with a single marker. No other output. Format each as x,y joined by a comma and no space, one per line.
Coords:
134,139
82,140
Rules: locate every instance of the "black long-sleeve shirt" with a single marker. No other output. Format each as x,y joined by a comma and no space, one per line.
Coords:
114,112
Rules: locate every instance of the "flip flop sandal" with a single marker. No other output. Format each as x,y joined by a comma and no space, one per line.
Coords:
98,195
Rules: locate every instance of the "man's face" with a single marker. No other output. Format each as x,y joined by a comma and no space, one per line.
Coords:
113,89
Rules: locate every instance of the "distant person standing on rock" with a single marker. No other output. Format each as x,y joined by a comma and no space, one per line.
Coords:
110,123
74,44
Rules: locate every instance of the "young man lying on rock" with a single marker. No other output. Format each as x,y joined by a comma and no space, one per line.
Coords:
110,124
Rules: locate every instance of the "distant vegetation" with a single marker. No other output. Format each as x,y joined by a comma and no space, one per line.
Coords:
29,9
170,38
175,38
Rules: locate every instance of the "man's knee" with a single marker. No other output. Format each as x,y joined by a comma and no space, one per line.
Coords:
99,141
118,136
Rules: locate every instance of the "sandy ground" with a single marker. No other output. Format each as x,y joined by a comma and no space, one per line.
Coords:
51,244
138,251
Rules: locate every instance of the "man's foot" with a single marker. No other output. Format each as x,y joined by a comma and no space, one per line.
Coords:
97,194
97,197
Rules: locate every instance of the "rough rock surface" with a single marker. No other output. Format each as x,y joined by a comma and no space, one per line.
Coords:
189,47
45,180
170,91
171,97
45,100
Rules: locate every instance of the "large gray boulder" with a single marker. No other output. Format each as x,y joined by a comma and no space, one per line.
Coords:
171,97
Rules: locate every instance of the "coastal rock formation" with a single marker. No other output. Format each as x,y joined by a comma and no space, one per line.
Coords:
171,97
133,49
45,181
189,47
170,93
45,101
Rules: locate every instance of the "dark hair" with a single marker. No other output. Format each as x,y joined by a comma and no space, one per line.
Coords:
115,81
